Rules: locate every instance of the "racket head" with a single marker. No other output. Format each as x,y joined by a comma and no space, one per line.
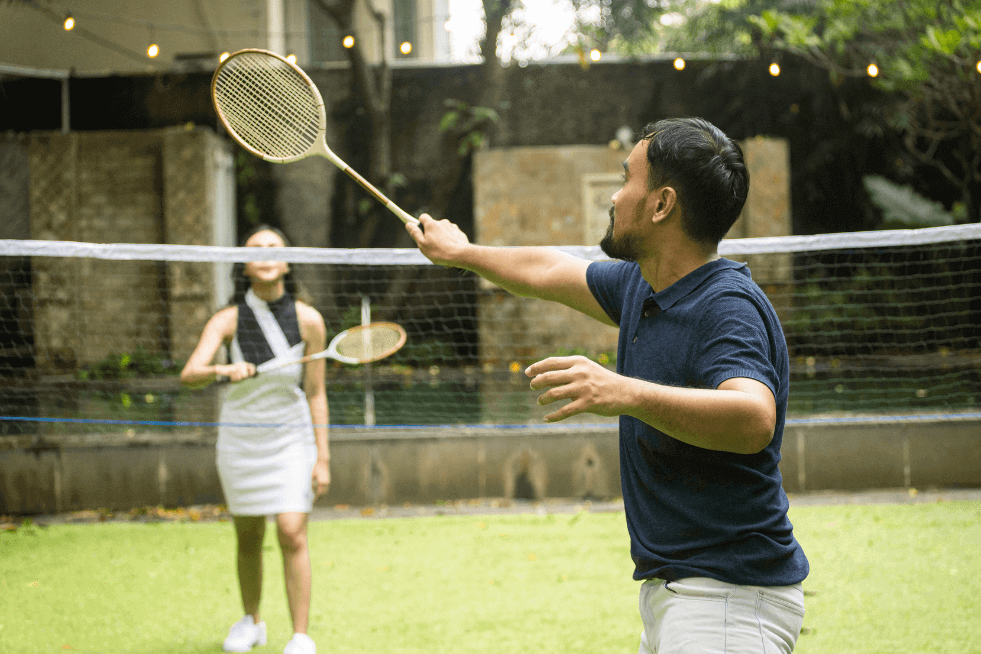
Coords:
367,343
269,106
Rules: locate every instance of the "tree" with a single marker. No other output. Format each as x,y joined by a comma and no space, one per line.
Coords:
926,58
372,89
465,125
638,27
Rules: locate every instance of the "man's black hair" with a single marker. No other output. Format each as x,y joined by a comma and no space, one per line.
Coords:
706,169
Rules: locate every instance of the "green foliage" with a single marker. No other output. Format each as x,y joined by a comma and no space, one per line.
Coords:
467,124
865,306
245,178
638,27
129,365
926,56
911,42
904,208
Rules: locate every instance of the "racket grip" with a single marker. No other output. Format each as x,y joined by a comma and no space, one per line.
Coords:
225,379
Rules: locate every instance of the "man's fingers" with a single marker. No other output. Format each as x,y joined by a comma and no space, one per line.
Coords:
549,364
567,411
551,379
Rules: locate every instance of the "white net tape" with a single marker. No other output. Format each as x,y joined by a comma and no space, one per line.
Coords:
411,256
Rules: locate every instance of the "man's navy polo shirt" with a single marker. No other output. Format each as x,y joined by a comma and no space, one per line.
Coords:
693,512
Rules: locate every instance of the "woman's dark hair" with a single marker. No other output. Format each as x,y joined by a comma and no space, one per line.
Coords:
706,169
241,281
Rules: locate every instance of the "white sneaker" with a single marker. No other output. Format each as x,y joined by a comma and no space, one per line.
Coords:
244,635
300,644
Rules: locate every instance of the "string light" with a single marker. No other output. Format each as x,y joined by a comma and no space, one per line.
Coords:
595,54
679,64
153,50
69,24
873,70
223,56
405,48
979,66
348,42
291,58
775,69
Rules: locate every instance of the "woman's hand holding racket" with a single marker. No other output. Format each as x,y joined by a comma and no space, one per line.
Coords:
234,372
274,110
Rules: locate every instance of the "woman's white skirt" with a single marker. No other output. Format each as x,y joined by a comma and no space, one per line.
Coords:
266,448
268,484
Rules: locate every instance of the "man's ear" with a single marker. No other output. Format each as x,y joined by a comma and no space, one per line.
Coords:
665,201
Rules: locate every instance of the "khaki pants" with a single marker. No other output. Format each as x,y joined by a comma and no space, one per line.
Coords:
704,616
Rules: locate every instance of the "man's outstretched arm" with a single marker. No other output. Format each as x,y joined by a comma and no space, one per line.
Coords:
537,272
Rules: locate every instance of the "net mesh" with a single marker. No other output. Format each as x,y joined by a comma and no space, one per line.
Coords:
93,337
267,104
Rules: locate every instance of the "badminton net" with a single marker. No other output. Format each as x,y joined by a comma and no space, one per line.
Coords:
93,336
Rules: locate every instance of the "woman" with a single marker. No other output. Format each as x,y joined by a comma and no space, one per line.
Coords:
273,457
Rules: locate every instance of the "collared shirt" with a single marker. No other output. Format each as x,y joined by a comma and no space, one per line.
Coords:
692,511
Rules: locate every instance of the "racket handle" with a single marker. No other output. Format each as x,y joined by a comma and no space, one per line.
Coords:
366,185
225,379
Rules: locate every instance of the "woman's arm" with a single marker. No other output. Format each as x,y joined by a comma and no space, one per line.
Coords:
199,371
314,333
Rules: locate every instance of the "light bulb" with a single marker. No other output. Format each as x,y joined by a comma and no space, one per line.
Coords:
405,48
873,70
679,63
152,51
348,41
69,24
223,56
775,69
595,54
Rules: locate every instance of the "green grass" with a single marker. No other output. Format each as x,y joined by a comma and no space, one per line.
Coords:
897,579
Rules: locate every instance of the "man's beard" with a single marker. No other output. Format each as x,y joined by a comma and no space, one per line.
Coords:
624,248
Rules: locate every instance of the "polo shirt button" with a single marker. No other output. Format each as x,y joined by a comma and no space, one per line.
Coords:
647,314
635,339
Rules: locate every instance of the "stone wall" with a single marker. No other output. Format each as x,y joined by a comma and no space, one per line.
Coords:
768,213
561,195
156,186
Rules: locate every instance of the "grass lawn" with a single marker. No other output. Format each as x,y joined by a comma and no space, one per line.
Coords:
884,578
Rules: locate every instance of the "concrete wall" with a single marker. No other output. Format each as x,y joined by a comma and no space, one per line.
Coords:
387,466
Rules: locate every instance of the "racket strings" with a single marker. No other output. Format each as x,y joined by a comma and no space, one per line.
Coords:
281,98
370,343
268,105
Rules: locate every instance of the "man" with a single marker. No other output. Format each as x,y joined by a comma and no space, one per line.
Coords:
701,390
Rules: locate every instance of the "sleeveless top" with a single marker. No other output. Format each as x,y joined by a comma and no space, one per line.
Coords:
269,411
